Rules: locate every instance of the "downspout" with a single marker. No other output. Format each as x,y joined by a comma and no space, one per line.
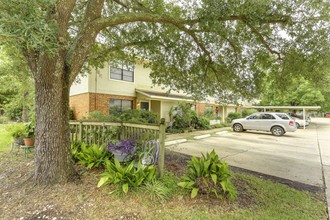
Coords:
95,89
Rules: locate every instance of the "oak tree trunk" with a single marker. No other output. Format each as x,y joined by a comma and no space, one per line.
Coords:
53,156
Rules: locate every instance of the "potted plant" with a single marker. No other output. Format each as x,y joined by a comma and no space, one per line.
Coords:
29,134
17,132
122,148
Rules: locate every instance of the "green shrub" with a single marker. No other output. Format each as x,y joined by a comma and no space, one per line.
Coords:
127,177
100,116
208,175
184,118
233,115
208,113
247,112
139,116
203,123
3,119
136,116
174,130
16,130
89,156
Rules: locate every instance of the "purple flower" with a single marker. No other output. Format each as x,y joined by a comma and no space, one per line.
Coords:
125,146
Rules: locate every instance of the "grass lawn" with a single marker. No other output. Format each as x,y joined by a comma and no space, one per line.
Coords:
5,138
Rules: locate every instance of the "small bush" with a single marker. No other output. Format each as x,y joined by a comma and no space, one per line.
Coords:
233,115
184,118
203,123
16,130
131,116
208,175
208,113
247,112
99,116
139,116
174,130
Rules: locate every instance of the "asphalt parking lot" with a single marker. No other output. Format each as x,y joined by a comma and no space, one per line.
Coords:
301,156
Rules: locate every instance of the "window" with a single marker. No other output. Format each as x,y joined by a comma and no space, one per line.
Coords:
283,116
267,116
144,105
122,71
119,105
255,116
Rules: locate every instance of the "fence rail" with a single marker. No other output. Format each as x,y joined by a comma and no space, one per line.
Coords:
102,132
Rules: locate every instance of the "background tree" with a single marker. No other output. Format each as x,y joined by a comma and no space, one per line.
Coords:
300,93
197,46
16,86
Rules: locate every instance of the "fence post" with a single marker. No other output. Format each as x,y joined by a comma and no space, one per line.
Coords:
80,132
161,158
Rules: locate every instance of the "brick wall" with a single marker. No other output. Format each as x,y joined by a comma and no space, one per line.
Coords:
80,105
89,102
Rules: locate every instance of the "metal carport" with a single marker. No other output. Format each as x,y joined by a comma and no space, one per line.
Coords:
303,108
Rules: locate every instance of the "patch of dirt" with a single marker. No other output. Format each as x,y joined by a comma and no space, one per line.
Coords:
20,199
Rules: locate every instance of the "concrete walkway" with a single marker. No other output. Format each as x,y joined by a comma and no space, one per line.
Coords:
323,137
302,156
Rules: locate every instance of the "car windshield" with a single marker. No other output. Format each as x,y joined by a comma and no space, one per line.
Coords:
283,116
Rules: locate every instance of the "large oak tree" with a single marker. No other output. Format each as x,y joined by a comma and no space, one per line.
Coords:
203,47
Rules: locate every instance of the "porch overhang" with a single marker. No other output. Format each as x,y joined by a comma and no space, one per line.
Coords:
163,96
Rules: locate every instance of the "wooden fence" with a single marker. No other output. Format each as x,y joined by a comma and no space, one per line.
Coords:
102,132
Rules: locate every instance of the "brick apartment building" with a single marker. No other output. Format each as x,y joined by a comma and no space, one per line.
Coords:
129,87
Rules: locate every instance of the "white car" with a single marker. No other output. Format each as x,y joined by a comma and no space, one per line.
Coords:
276,122
300,122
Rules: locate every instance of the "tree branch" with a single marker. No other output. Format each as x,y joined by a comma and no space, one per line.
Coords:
140,17
262,40
85,39
63,9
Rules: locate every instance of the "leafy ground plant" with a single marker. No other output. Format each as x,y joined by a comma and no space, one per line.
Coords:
89,156
127,177
208,175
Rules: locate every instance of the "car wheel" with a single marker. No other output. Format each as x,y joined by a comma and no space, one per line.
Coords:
277,131
237,127
297,125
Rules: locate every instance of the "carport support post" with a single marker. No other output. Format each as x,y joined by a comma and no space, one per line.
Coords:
304,117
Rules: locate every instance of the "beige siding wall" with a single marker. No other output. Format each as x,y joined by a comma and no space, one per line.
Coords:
100,82
81,86
166,107
155,107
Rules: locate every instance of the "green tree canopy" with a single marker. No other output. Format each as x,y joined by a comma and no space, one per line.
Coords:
299,93
16,86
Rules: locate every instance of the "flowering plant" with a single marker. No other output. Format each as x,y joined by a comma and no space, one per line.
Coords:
125,146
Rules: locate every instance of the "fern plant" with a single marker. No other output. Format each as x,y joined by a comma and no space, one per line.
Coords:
208,175
126,177
90,156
